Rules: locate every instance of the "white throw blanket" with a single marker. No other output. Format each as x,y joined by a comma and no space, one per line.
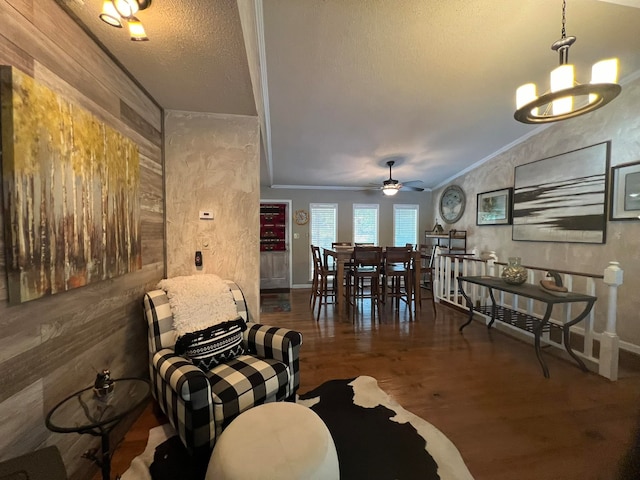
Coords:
198,302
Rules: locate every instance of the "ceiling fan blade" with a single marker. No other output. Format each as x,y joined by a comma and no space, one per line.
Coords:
415,189
413,183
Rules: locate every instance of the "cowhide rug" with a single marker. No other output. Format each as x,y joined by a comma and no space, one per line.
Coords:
375,438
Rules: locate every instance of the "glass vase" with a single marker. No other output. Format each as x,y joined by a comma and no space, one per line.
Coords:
514,273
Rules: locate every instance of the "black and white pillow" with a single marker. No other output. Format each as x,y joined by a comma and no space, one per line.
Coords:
213,345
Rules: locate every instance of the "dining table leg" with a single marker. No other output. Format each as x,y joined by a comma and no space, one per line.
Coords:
339,281
417,274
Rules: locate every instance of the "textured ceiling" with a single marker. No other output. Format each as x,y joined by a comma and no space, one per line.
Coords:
352,83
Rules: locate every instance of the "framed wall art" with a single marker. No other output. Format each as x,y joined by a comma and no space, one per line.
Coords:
625,192
563,198
70,190
494,207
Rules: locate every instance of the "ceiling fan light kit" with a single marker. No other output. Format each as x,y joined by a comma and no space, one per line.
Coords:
115,11
390,189
390,186
567,98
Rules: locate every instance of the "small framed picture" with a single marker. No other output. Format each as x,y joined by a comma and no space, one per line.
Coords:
494,208
625,192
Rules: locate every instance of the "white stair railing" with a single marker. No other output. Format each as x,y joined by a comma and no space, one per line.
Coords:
449,267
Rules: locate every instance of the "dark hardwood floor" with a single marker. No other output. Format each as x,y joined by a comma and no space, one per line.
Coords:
484,390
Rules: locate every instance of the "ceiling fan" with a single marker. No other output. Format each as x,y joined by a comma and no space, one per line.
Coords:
391,186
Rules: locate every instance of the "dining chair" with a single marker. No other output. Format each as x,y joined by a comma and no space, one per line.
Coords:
427,269
341,244
367,261
397,277
314,279
321,289
347,265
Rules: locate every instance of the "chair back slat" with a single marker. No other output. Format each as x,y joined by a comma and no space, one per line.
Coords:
398,255
317,258
341,244
367,257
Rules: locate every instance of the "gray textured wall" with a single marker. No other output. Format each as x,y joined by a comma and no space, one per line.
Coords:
52,347
212,163
619,122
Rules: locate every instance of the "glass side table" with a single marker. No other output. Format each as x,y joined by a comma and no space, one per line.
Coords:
84,412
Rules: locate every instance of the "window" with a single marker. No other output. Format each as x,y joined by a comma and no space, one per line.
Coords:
324,226
405,225
365,223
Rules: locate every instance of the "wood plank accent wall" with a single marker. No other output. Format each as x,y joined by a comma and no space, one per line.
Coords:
51,347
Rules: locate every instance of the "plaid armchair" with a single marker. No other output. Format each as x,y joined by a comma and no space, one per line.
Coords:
201,404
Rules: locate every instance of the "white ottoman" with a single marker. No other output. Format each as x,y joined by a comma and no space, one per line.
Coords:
280,441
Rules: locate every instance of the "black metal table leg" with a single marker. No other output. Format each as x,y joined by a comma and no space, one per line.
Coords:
105,461
567,340
469,304
493,308
537,332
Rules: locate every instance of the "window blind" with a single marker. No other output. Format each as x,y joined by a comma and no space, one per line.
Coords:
324,226
405,225
365,223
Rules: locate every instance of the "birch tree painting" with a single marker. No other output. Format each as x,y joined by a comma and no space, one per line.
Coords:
70,190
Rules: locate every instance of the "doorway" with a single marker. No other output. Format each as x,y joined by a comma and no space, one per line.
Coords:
275,245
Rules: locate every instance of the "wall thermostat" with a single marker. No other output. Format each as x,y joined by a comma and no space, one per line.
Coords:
206,215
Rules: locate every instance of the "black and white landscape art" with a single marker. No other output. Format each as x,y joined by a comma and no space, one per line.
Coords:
563,198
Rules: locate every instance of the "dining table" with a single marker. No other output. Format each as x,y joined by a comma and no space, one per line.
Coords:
342,255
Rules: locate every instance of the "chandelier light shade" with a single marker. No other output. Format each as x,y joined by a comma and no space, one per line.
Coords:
116,12
566,97
126,8
136,30
110,14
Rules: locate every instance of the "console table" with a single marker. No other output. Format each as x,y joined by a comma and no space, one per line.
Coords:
523,320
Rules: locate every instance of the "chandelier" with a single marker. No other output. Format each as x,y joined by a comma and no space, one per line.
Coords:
567,98
115,12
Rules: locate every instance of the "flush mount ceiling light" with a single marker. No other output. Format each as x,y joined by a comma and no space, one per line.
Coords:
567,98
115,12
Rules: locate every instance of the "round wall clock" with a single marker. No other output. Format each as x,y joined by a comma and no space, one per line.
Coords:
452,203
301,217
